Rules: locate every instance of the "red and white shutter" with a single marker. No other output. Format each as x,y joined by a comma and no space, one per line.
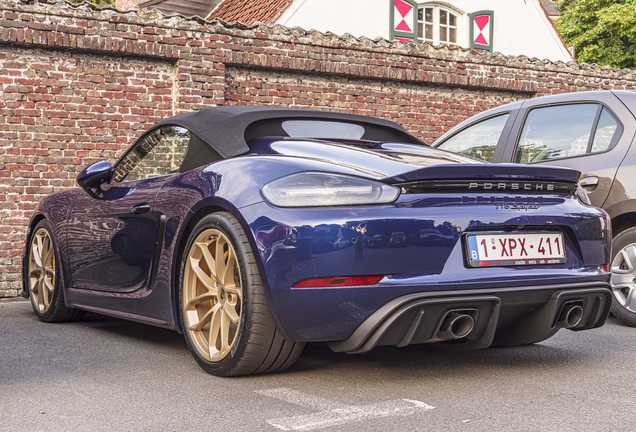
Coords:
403,20
481,30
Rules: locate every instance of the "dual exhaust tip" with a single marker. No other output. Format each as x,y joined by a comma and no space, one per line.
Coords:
456,325
570,316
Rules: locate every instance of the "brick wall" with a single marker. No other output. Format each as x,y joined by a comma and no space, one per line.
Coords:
78,84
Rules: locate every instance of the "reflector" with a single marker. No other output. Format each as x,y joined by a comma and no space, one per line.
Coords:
338,281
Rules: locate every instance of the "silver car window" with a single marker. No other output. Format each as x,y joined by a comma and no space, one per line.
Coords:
607,132
564,131
478,140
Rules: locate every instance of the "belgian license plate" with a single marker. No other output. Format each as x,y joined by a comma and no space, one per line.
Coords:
487,250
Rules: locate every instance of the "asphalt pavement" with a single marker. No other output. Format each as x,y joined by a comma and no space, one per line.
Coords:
105,374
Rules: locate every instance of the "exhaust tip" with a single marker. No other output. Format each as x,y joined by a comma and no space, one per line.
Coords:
570,316
456,326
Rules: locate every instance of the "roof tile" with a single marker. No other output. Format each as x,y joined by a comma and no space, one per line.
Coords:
189,8
250,11
550,7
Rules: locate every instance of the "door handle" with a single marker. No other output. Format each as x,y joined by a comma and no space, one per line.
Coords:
589,183
140,209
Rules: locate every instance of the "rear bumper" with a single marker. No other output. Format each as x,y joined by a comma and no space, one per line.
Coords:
506,316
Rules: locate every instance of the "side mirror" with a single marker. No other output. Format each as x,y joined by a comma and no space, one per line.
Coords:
92,177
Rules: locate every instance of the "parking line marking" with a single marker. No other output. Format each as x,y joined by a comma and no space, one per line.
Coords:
333,414
299,398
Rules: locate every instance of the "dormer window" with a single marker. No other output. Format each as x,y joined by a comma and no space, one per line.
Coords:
438,25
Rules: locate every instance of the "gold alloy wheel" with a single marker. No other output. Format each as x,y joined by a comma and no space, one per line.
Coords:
42,270
212,295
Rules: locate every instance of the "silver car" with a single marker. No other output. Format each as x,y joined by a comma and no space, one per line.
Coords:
588,131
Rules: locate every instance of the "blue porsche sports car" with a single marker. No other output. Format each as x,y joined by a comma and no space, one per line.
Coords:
220,224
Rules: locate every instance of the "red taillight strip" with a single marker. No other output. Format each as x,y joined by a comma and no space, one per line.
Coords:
338,281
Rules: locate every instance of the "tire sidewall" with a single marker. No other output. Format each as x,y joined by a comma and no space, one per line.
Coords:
622,240
220,222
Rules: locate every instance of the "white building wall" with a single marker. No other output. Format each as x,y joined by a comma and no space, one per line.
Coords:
357,17
520,26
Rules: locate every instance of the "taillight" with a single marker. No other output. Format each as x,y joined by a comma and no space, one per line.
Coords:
316,189
606,223
338,281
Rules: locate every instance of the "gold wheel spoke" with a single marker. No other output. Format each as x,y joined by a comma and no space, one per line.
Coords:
37,250
35,273
219,254
201,299
48,284
35,289
234,290
228,276
207,256
230,311
224,333
201,275
209,315
47,252
46,292
215,333
37,295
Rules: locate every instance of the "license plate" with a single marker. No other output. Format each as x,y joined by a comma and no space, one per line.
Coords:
487,250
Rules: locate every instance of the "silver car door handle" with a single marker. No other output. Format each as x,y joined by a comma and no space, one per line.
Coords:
140,209
589,182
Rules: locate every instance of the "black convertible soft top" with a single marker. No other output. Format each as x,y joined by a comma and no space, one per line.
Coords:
227,129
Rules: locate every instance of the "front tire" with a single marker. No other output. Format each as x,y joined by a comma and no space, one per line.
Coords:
43,278
624,276
224,315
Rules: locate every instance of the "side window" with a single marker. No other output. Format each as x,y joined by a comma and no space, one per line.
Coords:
607,133
479,140
159,153
565,131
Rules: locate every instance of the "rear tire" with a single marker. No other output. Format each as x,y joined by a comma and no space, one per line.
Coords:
43,278
624,276
224,315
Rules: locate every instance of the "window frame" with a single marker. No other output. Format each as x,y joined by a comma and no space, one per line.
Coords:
502,144
134,146
506,114
600,106
437,7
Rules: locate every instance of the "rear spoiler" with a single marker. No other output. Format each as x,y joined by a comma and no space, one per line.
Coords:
488,178
488,173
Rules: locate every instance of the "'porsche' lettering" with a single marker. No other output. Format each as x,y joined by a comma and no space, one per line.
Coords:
511,186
